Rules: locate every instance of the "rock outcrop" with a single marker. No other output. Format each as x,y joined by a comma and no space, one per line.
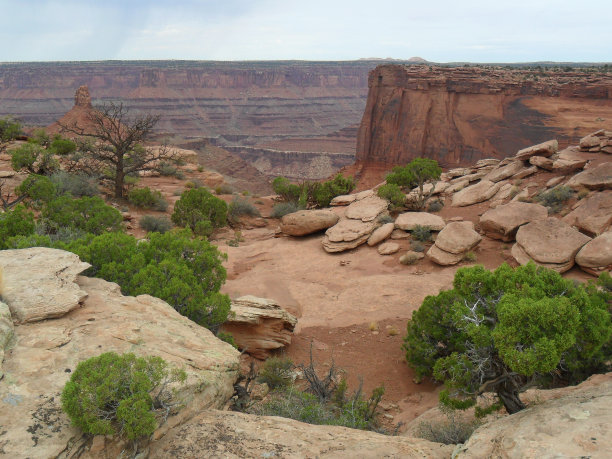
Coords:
595,178
305,222
594,214
259,325
410,220
483,190
453,242
596,255
504,221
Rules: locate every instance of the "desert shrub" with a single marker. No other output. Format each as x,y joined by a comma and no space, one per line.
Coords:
283,208
286,190
89,214
416,174
34,159
435,206
321,194
555,198
421,233
200,211
506,330
9,130
409,259
146,198
451,431
16,222
470,256
62,146
417,246
40,137
228,338
77,184
276,372
239,207
224,189
169,169
38,189
582,194
119,394
392,193
385,218
153,224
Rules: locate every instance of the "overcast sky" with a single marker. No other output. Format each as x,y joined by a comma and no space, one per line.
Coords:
438,30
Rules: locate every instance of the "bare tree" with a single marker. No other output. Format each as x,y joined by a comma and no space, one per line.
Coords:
119,143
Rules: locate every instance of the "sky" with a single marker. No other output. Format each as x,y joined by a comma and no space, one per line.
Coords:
439,30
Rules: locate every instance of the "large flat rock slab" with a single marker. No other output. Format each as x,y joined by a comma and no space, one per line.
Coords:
39,283
544,149
458,237
305,222
596,253
474,194
594,215
594,178
347,234
366,209
504,221
410,220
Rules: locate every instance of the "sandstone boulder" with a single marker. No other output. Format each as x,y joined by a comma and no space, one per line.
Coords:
486,162
458,237
6,331
554,181
473,194
259,325
588,142
366,209
457,186
549,242
409,220
503,221
400,234
594,178
543,149
380,234
526,172
346,199
48,290
388,248
347,234
597,253
504,172
541,162
594,215
442,257
305,222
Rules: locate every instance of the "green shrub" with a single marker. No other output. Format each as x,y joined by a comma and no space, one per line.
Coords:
89,214
34,159
417,246
76,184
276,372
38,189
555,198
224,189
435,206
392,193
10,129
119,394
228,338
16,222
385,218
283,208
321,194
240,206
421,233
169,169
286,190
416,174
146,198
451,431
63,147
153,224
408,259
200,211
470,256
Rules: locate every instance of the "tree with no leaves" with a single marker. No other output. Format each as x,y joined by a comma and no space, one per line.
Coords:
119,144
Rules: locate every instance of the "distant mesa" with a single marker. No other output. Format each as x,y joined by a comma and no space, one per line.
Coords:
419,60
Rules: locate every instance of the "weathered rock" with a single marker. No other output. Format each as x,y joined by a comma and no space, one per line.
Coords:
473,194
550,241
523,258
380,234
596,253
521,195
458,172
6,330
589,142
45,353
48,290
442,257
347,234
594,215
366,209
554,181
229,435
399,234
457,186
503,221
388,248
504,192
346,199
526,172
7,174
568,165
578,424
594,178
542,149
541,162
486,162
259,325
305,222
409,220
504,172
458,237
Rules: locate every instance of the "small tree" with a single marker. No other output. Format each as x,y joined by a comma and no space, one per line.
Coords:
88,214
17,222
34,159
416,174
200,211
506,330
9,130
119,144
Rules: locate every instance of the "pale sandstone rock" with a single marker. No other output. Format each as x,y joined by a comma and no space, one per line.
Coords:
554,181
458,186
442,257
526,172
230,435
458,172
596,253
594,215
541,162
6,331
523,258
7,174
39,283
575,425
305,222
259,325
504,192
486,162
471,177
523,194
566,165
458,237
366,209
380,234
550,240
504,172
543,149
474,194
399,234
347,234
594,178
35,369
388,248
503,221
409,220
346,199
589,141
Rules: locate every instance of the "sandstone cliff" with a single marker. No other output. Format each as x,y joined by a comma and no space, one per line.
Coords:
459,115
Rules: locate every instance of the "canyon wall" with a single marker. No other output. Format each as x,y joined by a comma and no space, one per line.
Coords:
459,115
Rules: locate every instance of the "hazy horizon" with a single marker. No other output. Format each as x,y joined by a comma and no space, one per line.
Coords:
476,31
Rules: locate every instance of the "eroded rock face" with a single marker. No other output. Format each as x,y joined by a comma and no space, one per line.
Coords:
473,194
229,435
504,172
366,209
305,222
594,215
44,353
544,149
39,283
594,178
259,325
347,234
409,220
597,253
380,234
6,331
503,221
458,237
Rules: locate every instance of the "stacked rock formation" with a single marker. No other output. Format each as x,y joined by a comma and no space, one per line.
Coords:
453,242
597,141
